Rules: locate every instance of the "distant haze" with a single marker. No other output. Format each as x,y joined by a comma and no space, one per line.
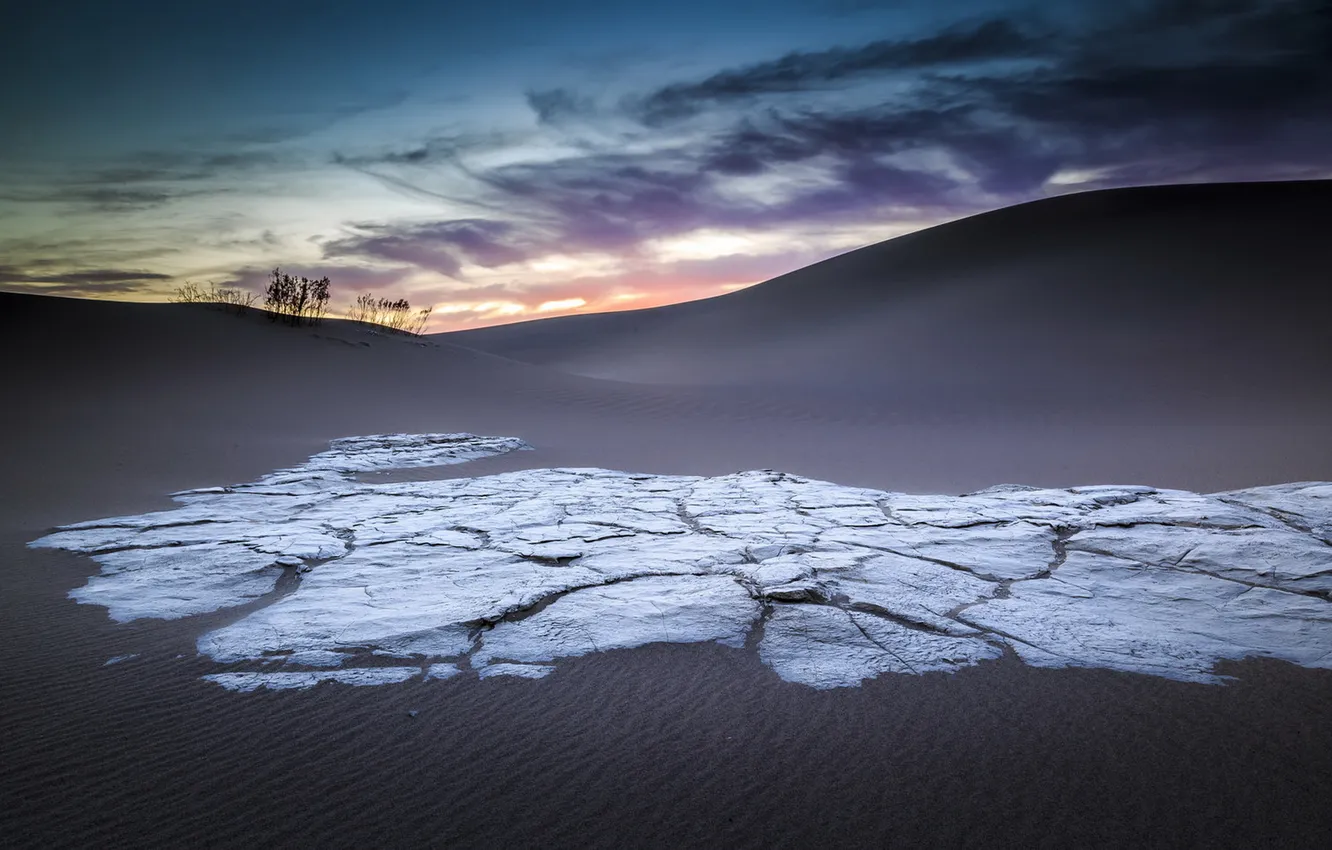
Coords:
530,159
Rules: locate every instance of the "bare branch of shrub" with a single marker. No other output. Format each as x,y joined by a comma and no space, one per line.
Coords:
393,315
296,299
225,297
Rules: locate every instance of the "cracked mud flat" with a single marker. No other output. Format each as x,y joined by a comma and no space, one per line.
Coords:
507,574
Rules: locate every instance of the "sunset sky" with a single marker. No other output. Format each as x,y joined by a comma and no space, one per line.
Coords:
511,160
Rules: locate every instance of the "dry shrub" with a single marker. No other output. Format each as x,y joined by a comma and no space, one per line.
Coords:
228,297
394,315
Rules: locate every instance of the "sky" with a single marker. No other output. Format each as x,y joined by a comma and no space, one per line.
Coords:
518,159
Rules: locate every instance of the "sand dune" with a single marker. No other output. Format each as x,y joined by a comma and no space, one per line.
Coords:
165,393
1168,337
113,740
1149,297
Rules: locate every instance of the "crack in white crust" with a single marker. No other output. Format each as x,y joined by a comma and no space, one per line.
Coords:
508,573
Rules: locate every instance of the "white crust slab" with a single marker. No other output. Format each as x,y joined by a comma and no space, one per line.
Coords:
507,574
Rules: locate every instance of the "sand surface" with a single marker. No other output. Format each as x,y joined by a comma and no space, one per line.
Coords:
1147,299
110,407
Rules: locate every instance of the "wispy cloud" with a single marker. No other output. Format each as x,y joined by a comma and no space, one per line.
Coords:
139,181
440,247
92,282
560,106
997,38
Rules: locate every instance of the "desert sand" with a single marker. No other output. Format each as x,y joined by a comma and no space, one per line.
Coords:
1166,337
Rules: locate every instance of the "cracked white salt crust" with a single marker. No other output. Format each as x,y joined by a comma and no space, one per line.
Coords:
521,671
299,680
832,585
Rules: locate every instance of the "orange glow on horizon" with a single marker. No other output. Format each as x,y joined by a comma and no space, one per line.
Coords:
447,318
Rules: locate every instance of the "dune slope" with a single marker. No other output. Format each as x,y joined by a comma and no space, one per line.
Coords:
1149,296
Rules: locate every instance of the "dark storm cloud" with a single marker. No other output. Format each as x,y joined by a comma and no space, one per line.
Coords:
797,71
1227,86
1152,17
1256,116
1247,97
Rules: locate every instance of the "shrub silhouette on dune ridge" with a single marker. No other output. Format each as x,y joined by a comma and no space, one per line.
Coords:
296,299
394,315
222,296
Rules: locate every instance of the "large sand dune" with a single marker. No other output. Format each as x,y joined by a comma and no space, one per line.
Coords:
1158,296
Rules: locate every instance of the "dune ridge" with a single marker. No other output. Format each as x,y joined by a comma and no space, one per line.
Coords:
1151,297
